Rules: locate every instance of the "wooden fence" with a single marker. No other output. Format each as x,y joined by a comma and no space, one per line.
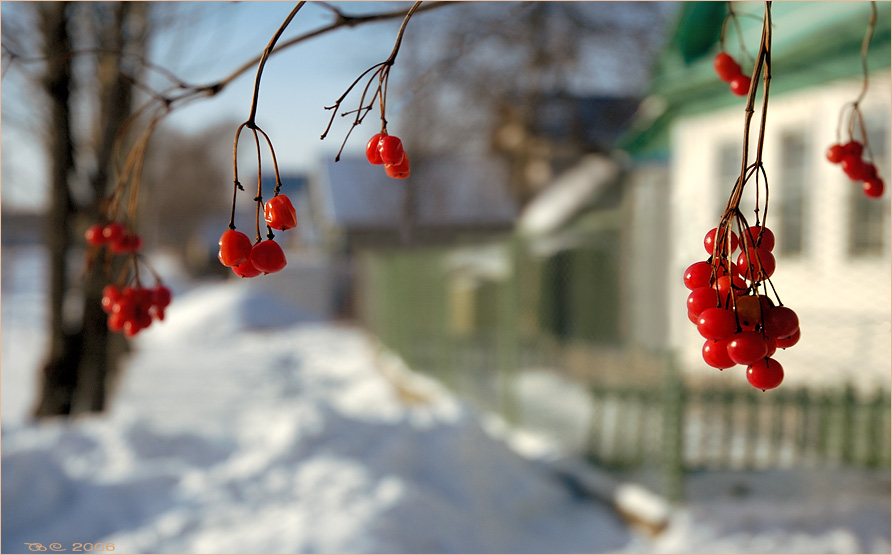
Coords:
476,334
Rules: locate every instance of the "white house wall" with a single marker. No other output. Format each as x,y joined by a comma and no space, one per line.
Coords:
843,301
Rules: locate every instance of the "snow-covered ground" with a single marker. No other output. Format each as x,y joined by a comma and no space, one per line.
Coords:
240,427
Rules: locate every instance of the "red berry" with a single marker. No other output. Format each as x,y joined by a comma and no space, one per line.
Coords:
836,153
94,235
161,297
747,347
715,354
874,187
702,298
762,261
246,270
781,321
709,242
855,168
726,284
398,171
853,148
697,275
751,310
371,149
717,323
268,257
110,295
762,236
786,342
116,321
113,231
740,85
126,243
235,247
770,346
725,67
694,318
279,213
391,149
765,374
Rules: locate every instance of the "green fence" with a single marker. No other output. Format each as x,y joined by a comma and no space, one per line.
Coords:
478,319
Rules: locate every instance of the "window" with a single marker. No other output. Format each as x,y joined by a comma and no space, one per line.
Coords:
790,212
868,217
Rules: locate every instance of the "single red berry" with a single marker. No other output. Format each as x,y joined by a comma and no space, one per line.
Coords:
126,243
747,347
762,261
268,257
762,236
113,231
715,354
709,242
116,321
391,149
279,213
398,171
751,310
246,270
235,247
765,374
371,149
727,284
740,85
853,148
110,295
94,235
161,296
855,168
697,275
717,323
702,298
725,67
874,187
781,321
786,342
836,153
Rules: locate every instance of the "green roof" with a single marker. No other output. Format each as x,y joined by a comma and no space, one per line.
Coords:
812,43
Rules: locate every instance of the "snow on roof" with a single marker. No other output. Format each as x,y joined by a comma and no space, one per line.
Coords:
449,191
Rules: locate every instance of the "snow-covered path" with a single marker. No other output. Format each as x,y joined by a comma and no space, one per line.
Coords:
238,428
226,438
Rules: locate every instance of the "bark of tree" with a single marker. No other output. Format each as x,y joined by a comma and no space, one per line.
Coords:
83,358
122,29
60,371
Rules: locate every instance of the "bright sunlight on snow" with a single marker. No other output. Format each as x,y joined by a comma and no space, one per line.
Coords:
240,427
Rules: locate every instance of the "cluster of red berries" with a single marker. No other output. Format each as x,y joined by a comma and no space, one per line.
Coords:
848,156
266,257
388,150
115,236
729,71
740,325
132,309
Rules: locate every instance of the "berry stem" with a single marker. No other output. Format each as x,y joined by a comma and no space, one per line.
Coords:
259,198
265,56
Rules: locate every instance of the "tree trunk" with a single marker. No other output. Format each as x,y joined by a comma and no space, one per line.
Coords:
60,371
120,27
83,361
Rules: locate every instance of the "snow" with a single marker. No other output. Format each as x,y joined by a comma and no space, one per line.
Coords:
242,425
